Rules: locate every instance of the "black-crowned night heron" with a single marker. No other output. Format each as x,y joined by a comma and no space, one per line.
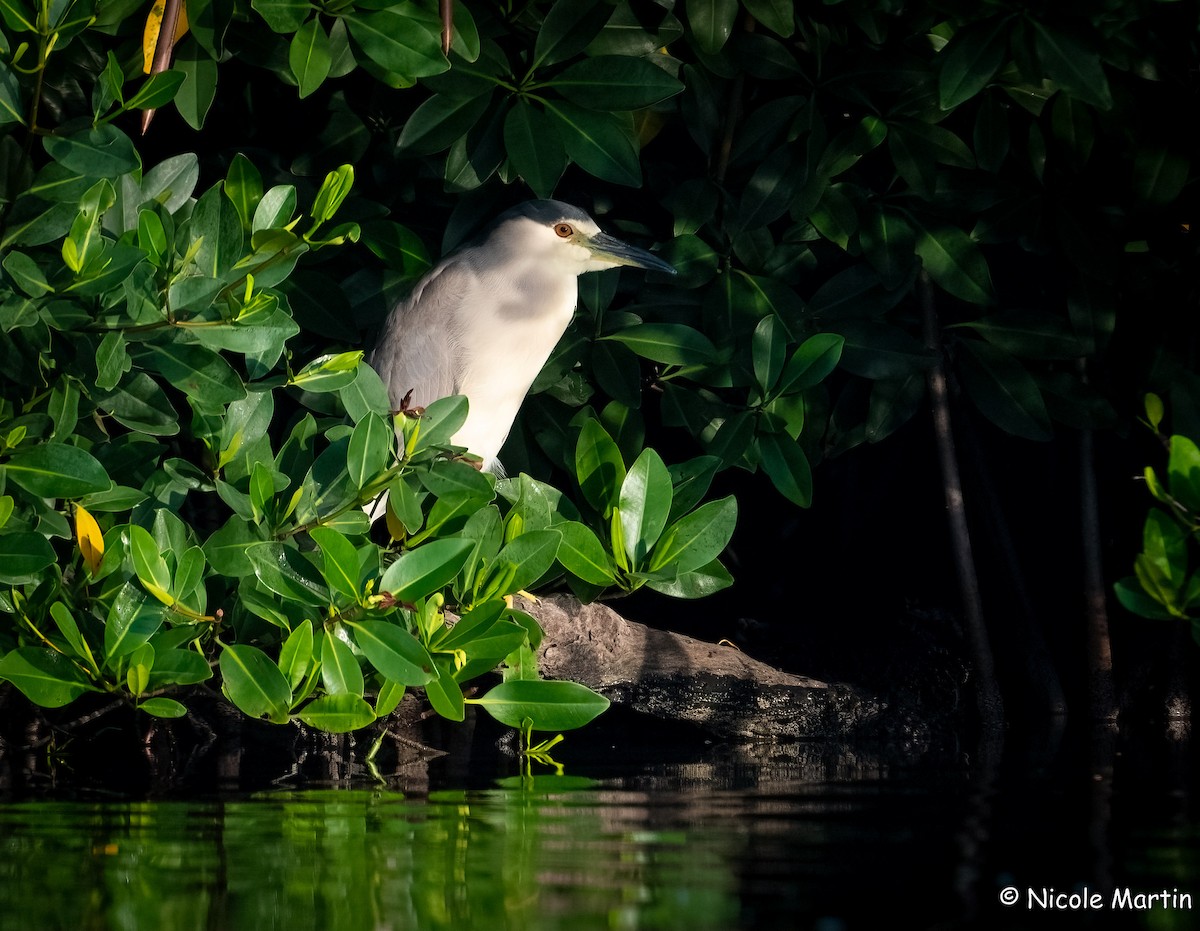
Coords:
483,321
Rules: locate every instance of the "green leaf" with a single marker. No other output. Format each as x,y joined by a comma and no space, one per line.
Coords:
65,622
45,677
599,468
784,461
132,620
1134,599
425,570
601,143
811,363
12,110
711,22
55,470
340,672
568,29
524,560
696,539
199,372
968,62
955,263
549,705
199,86
243,187
1183,472
27,275
101,152
388,699
1003,390
1159,174
284,571
534,148
254,683
668,343
309,56
450,477
699,583
370,446
137,673
441,120
23,554
488,650
1072,65
732,438
329,372
1030,335
393,651
156,91
615,82
767,348
282,15
276,208
444,694
178,667
341,562
645,502
365,395
402,39
142,405
149,565
337,714
162,707
226,549
889,244
777,15
296,654
771,189
582,554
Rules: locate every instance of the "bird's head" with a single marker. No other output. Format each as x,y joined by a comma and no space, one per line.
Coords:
564,237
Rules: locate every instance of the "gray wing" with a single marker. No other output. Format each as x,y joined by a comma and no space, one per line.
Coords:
419,348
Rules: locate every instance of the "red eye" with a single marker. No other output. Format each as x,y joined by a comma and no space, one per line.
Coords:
564,230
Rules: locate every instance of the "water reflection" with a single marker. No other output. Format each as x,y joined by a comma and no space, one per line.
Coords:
360,859
829,842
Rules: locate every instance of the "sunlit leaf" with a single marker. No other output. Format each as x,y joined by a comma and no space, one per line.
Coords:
340,672
393,651
426,569
254,683
338,713
56,470
45,677
549,705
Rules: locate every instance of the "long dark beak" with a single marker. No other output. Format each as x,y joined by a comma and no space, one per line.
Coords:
622,253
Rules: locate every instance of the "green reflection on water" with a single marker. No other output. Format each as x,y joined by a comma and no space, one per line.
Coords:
344,859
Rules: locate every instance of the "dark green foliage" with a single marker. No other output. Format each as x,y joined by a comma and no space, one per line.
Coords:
180,329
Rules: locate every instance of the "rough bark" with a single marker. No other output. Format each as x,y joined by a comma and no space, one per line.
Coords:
678,678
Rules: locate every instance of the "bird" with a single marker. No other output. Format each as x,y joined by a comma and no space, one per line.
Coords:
483,321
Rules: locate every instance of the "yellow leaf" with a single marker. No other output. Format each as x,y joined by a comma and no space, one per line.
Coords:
154,25
91,542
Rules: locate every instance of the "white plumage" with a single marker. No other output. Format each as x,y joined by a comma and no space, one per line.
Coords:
483,321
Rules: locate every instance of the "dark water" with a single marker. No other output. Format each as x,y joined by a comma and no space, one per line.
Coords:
812,836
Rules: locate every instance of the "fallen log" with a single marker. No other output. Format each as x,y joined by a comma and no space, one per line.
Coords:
675,677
